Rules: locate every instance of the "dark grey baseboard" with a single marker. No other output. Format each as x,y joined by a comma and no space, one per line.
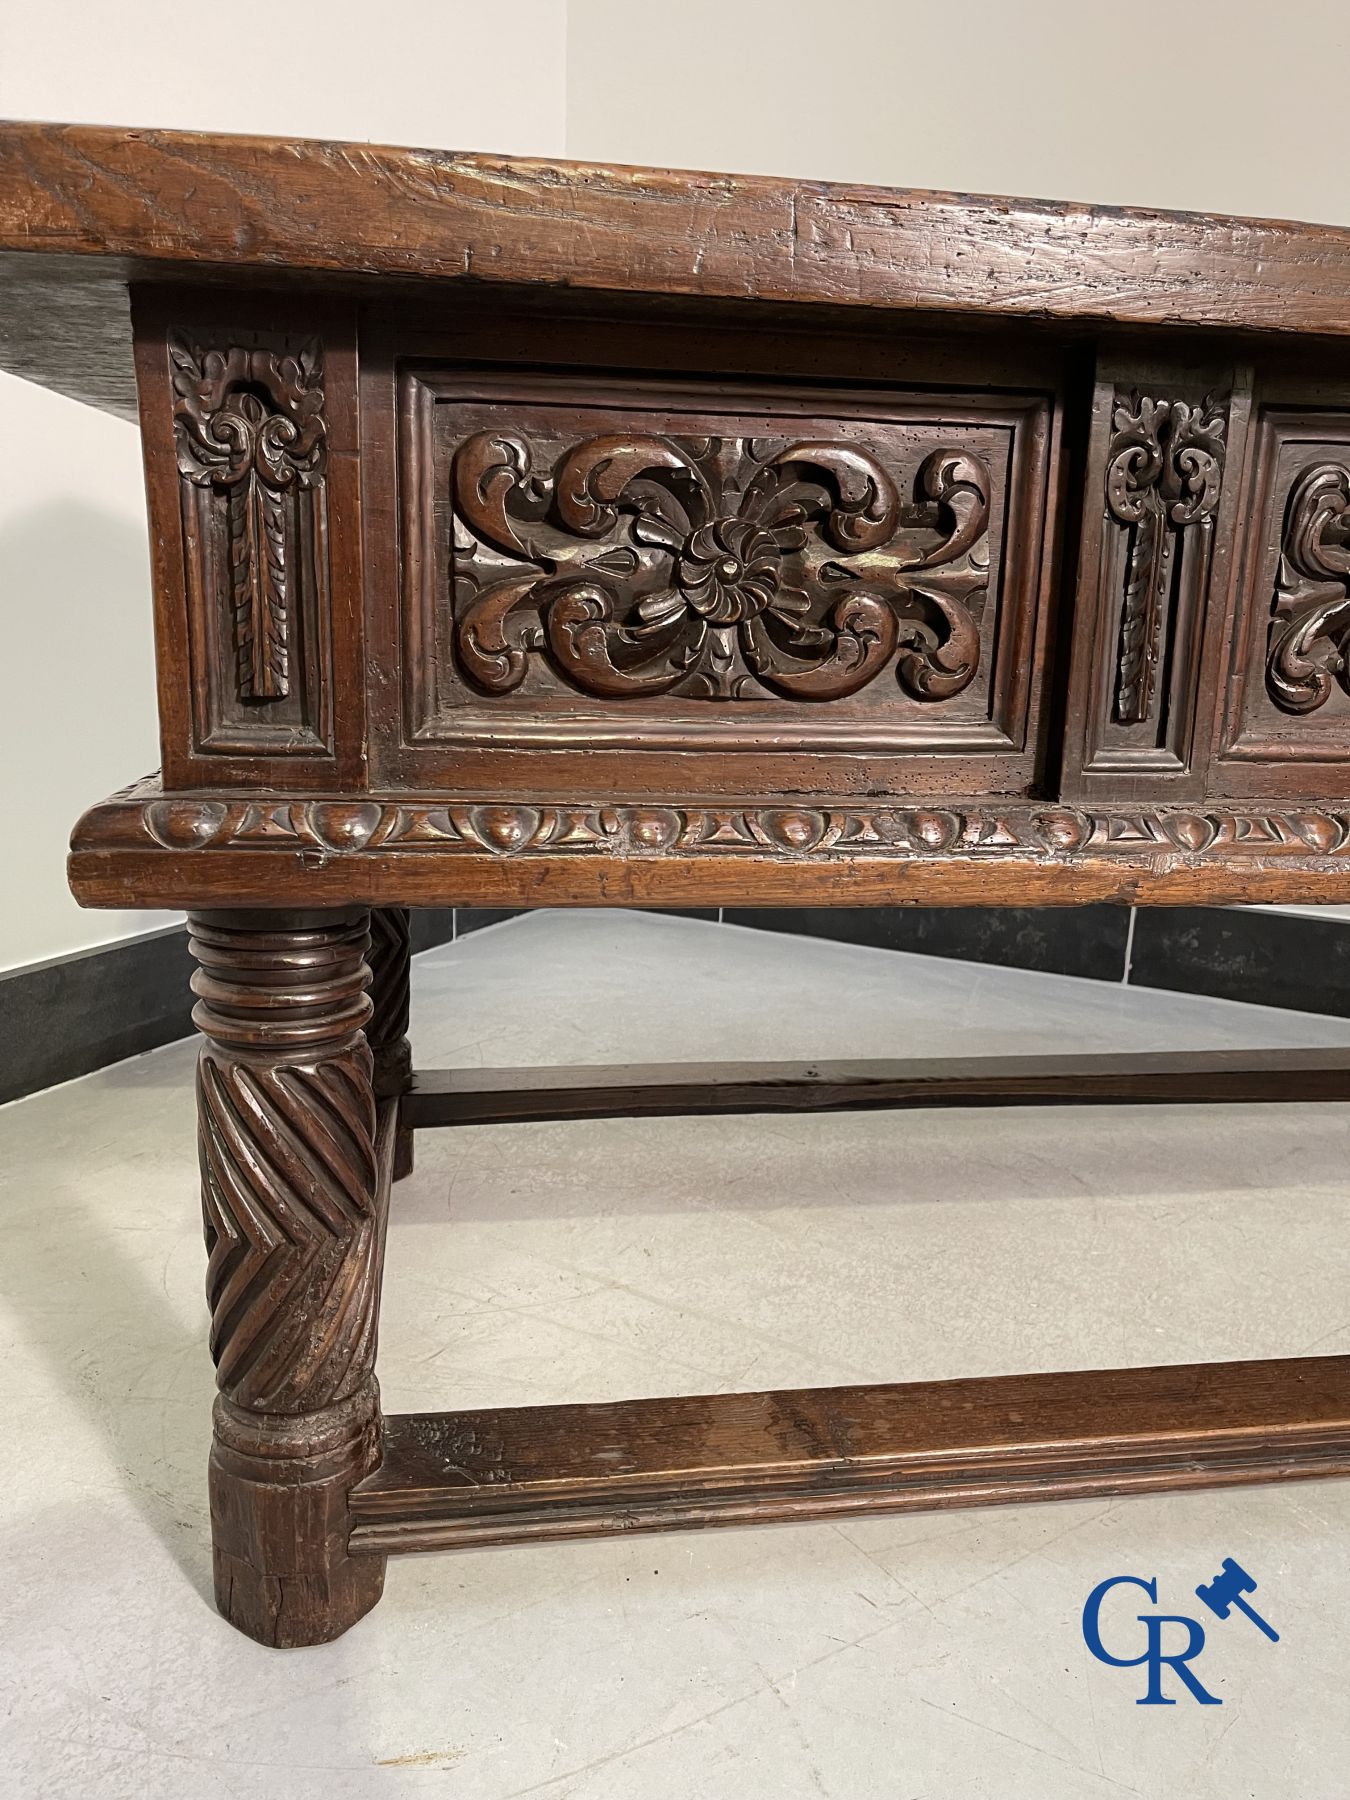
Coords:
1290,960
63,1018
432,925
474,918
1057,940
1261,957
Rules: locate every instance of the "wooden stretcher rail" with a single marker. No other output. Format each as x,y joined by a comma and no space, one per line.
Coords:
566,1471
500,1096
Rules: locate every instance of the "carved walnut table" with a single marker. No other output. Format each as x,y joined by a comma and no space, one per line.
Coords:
538,534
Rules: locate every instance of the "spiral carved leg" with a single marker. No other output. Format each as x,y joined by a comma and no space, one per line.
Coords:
293,1209
387,1032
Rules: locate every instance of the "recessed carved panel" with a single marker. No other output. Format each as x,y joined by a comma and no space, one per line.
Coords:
1161,488
1311,626
680,571
1289,699
251,444
718,568
1166,462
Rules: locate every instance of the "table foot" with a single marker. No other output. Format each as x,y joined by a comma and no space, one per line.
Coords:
280,1520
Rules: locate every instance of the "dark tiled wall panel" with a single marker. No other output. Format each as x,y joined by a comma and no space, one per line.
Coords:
63,1018
1057,940
1233,953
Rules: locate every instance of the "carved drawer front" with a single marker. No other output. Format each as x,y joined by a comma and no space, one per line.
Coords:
1158,521
1287,723
669,569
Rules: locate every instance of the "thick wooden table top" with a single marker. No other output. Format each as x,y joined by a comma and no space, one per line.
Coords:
537,532
110,204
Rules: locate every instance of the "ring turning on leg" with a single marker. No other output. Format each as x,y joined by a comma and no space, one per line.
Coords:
294,1211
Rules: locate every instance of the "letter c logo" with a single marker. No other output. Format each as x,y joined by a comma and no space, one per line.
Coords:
1092,1624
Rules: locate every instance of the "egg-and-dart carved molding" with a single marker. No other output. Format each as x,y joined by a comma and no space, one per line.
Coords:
325,828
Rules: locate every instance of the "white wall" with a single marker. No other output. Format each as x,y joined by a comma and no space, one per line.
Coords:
1233,108
74,567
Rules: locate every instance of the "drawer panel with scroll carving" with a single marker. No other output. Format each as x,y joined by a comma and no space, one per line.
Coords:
698,570
1287,724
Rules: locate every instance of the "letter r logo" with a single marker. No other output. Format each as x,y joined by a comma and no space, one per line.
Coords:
1153,1653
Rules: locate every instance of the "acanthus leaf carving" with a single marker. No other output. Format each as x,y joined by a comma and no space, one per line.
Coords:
249,426
718,568
1310,633
1164,471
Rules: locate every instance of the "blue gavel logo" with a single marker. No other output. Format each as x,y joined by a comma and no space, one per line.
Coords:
1225,1592
1221,1595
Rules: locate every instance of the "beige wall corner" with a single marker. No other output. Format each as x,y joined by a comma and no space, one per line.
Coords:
74,570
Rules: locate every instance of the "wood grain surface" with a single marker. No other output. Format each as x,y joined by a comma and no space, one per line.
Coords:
501,1475
163,204
164,197
501,1096
238,849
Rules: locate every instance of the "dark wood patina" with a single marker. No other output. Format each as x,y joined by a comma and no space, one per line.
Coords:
544,534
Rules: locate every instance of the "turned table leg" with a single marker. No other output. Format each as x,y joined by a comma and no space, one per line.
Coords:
294,1216
387,1032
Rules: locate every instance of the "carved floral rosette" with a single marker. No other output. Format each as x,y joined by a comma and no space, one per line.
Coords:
717,569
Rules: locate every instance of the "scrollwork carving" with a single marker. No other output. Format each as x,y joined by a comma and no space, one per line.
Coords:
1163,475
720,569
1310,633
249,426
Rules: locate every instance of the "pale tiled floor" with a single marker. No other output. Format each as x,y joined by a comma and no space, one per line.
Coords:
928,1655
